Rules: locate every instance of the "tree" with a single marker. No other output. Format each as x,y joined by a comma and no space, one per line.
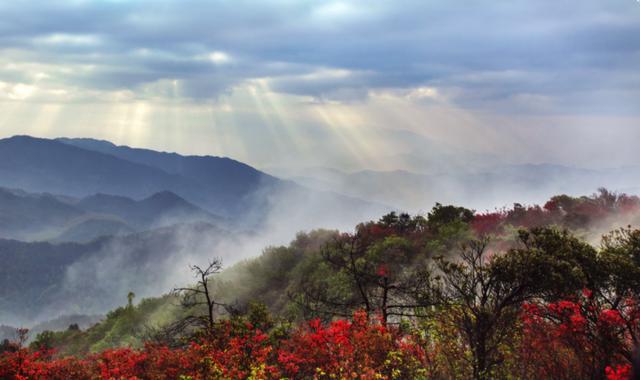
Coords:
375,269
199,296
619,288
44,341
600,324
483,294
552,263
481,307
130,297
441,215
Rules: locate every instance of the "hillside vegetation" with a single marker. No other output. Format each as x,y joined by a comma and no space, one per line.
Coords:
528,292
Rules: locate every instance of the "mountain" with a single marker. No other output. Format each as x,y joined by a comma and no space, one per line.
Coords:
216,184
220,186
159,209
483,189
42,280
254,197
92,228
31,216
42,165
93,221
229,184
220,173
24,215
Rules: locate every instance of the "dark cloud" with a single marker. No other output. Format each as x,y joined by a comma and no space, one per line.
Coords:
479,52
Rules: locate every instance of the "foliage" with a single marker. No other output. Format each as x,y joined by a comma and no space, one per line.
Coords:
341,349
512,294
125,326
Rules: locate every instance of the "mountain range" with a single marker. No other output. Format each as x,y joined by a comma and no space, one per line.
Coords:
483,188
220,186
83,222
37,217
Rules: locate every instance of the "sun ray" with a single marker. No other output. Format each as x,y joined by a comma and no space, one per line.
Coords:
278,110
276,135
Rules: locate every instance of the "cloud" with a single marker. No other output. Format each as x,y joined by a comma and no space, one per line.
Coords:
219,57
472,50
268,82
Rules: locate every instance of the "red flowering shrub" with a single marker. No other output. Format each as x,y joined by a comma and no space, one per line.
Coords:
349,348
343,348
580,336
488,223
566,339
385,268
621,372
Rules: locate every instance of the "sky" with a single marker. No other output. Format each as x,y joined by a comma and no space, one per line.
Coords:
352,85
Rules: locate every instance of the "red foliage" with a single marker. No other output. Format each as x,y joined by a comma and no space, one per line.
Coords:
621,372
383,270
628,204
562,210
342,348
488,223
581,336
564,340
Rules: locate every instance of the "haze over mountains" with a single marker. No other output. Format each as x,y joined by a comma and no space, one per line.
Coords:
221,186
37,217
42,280
83,221
62,168
481,188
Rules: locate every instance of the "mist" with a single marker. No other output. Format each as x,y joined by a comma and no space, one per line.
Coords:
101,282
482,189
285,117
152,262
154,258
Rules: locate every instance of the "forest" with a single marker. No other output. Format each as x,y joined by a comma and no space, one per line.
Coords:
526,292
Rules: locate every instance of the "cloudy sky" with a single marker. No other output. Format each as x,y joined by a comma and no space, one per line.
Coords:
348,84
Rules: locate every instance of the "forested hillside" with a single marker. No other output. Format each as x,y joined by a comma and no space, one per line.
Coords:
528,292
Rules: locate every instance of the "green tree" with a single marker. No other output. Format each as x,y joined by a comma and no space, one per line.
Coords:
373,269
483,293
441,215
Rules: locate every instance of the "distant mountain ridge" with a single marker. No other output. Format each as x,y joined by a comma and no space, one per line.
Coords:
229,184
221,186
228,181
148,211
30,216
483,189
42,165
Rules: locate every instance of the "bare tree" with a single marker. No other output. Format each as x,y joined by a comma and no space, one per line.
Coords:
199,296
